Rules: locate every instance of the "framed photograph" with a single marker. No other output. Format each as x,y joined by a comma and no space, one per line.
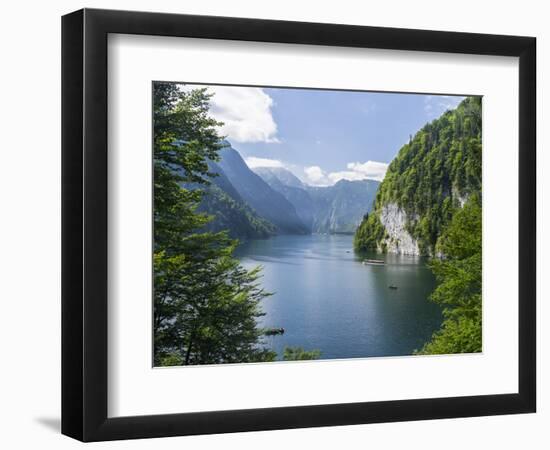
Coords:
273,224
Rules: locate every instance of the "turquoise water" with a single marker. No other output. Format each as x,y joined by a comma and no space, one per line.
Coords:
326,299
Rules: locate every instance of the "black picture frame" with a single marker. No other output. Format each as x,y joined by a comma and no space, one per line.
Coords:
84,224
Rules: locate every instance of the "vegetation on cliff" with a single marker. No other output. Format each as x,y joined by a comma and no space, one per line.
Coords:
371,234
430,178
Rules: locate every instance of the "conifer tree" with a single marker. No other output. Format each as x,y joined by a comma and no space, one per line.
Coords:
206,305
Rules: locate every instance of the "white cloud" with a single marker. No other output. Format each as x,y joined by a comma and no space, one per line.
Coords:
315,176
373,170
435,105
370,170
334,177
245,112
254,162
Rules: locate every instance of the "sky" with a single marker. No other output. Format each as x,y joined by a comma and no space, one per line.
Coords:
322,136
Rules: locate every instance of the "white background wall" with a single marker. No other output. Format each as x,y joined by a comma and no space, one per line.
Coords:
30,223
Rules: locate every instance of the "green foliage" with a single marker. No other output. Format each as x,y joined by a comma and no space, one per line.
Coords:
431,176
299,354
370,234
205,304
459,288
238,218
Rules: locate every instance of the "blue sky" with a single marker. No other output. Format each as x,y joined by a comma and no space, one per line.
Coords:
322,136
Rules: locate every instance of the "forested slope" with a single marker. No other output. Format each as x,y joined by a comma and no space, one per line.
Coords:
426,184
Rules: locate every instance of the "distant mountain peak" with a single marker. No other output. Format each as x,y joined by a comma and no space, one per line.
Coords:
269,203
344,181
325,209
283,175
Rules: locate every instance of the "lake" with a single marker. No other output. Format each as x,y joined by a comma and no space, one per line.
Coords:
326,299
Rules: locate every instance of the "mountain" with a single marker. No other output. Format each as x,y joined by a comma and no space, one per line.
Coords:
229,211
279,175
331,209
237,218
268,203
340,208
428,182
286,183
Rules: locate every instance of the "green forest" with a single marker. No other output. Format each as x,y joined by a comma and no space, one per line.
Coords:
436,180
430,177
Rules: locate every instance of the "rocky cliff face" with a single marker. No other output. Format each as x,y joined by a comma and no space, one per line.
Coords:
426,184
398,239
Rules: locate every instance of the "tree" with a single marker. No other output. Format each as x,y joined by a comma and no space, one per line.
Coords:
299,354
205,304
370,234
459,288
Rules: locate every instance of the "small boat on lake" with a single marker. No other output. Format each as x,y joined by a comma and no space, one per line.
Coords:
391,286
274,331
374,262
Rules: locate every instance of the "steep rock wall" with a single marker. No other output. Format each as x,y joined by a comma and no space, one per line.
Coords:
398,239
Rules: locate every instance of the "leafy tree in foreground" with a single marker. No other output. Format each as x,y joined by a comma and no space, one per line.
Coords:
459,289
299,354
205,304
